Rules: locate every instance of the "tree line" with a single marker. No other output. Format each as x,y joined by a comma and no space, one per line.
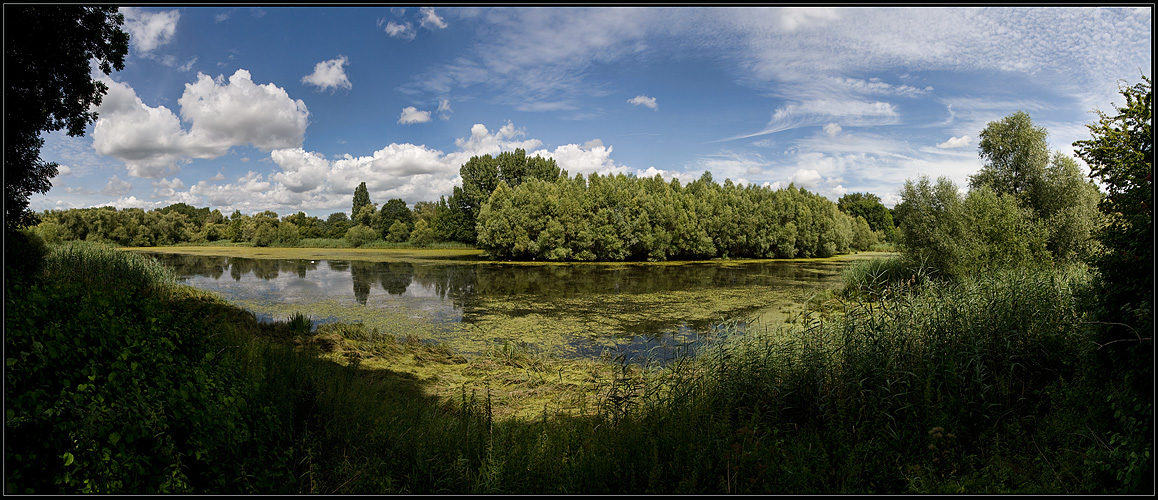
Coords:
519,207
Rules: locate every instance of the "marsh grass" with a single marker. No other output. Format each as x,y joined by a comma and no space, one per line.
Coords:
101,266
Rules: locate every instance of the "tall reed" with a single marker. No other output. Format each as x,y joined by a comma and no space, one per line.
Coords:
98,265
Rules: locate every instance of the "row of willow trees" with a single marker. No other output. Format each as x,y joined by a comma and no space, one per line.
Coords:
620,217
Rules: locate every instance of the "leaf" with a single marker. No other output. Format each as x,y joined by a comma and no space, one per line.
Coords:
67,458
114,438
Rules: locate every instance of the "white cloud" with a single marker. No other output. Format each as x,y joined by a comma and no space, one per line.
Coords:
795,18
813,112
149,30
806,178
410,114
405,30
955,142
240,112
116,187
430,20
329,74
482,141
582,160
731,165
444,109
130,202
832,129
152,142
166,188
642,100
308,180
149,140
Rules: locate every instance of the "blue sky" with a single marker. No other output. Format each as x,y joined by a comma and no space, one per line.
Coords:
289,108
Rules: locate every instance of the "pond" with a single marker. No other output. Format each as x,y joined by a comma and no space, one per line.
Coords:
579,310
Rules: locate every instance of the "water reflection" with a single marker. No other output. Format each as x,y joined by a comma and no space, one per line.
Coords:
632,307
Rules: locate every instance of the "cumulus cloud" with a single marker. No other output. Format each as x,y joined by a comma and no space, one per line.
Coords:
149,30
642,100
130,202
240,112
806,178
310,181
410,114
149,140
152,142
955,142
576,159
832,129
329,75
116,187
482,141
166,188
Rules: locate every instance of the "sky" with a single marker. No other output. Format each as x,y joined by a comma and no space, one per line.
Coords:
290,108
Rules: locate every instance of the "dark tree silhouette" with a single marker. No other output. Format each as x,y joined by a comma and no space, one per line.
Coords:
49,87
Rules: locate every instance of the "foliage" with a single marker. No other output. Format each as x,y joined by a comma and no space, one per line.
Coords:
361,199
360,235
1121,156
336,225
422,235
1023,207
392,211
49,86
481,175
621,217
398,232
869,206
1016,154
1052,189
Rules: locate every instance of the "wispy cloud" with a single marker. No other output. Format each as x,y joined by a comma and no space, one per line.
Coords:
430,20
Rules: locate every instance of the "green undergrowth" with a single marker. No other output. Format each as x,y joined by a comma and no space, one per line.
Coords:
120,381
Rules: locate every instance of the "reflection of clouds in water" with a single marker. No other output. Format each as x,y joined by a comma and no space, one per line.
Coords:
418,290
639,311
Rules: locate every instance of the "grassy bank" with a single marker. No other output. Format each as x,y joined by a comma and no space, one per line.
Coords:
120,381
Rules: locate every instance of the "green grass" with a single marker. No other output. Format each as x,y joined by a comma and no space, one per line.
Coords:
982,385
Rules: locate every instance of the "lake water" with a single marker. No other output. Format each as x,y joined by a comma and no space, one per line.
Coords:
571,310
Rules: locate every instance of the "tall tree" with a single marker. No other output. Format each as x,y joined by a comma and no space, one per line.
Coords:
1016,155
361,199
395,210
869,206
49,87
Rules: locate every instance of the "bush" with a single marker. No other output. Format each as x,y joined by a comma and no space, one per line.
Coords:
360,235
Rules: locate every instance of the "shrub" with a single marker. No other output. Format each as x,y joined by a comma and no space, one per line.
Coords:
360,235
